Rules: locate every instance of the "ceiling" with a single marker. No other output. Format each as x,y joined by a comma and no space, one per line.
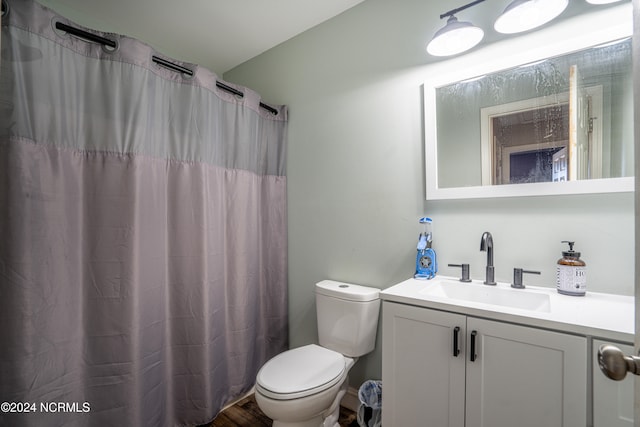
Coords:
227,32
222,34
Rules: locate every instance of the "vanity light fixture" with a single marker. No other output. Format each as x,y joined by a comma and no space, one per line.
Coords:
525,15
456,36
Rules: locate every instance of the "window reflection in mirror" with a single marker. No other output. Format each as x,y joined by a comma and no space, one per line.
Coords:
563,118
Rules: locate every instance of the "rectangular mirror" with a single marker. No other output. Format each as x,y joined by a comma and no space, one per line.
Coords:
554,119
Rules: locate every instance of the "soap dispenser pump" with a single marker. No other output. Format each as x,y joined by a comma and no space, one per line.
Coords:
571,273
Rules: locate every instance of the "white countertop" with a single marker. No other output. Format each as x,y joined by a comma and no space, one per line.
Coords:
598,315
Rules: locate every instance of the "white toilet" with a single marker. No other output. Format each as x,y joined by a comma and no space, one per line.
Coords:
303,387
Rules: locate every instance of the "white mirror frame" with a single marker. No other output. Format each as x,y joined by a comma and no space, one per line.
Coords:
565,37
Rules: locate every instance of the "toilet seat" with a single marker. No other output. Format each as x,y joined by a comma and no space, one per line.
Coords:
301,372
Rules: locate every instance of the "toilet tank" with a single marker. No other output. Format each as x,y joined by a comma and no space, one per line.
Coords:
347,317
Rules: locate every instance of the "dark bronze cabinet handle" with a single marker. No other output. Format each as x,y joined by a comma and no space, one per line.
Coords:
456,347
472,353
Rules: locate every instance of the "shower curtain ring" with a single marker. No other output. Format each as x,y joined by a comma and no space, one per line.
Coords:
5,8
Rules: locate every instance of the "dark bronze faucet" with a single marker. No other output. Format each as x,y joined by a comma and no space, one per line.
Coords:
486,244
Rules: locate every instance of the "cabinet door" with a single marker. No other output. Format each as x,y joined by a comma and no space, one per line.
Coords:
422,380
525,377
612,400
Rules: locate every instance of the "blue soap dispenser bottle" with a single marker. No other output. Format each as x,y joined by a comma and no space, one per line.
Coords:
426,262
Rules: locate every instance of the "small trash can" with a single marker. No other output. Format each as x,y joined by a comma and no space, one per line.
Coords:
370,410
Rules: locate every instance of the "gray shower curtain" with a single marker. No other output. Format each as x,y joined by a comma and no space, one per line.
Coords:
143,270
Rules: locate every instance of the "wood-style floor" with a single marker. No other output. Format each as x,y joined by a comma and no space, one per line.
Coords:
246,413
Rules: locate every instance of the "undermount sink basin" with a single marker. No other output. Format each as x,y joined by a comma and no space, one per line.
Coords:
479,293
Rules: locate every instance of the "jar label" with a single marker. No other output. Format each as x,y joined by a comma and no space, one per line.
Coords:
571,279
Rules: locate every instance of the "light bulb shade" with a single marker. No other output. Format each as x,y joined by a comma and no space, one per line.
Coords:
455,37
524,15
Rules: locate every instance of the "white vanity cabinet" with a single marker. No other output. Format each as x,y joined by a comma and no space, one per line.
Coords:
422,382
525,376
496,375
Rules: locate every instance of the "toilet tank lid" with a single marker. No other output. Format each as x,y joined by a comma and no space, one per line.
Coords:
347,291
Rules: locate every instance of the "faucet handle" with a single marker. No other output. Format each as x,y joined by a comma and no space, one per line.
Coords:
517,277
465,271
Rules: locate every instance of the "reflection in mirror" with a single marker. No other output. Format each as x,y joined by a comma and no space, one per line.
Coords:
545,113
558,119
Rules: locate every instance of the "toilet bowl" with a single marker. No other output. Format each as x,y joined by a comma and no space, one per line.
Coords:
303,387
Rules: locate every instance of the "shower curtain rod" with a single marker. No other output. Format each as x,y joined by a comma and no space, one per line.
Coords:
162,62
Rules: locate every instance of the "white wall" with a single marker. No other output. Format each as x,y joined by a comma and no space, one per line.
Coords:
356,173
